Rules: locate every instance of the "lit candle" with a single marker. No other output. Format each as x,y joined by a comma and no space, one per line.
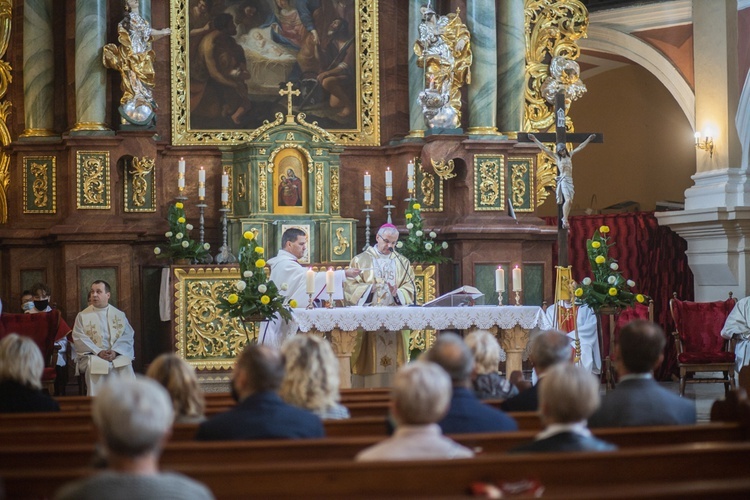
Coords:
330,284
368,191
310,280
410,169
201,184
181,174
225,188
368,180
410,176
516,279
388,183
499,279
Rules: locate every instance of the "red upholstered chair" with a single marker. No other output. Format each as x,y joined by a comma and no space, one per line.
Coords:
700,346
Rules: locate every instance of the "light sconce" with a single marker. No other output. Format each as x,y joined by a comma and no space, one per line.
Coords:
706,144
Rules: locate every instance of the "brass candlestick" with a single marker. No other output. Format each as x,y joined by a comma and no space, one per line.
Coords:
518,297
310,303
499,297
330,300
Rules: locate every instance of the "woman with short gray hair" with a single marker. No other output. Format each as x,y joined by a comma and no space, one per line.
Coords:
21,368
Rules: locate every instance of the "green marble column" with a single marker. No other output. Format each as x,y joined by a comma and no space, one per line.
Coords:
38,69
91,75
416,74
480,19
511,65
146,10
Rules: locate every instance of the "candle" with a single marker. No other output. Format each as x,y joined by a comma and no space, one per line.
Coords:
201,184
310,280
368,180
516,279
388,183
500,279
201,175
368,192
225,180
181,174
225,188
410,176
410,169
330,284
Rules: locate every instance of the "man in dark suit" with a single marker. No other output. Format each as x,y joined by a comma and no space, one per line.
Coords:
547,349
568,396
638,399
260,413
467,413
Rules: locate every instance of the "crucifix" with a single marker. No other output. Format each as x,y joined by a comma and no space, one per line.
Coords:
289,93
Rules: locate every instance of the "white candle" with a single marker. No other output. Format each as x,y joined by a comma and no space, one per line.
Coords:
368,196
516,279
388,183
368,180
499,279
225,188
181,174
201,184
181,166
330,283
410,176
368,184
225,180
410,169
201,175
310,280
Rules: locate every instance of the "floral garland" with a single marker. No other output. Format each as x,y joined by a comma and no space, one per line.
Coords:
254,296
419,245
179,244
608,288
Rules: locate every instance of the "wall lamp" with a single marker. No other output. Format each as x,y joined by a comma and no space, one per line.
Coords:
706,144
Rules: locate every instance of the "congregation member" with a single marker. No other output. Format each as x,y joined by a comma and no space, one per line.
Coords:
181,382
486,381
387,279
21,368
103,340
466,413
134,420
311,378
420,398
27,301
561,318
260,412
547,349
737,326
638,399
568,396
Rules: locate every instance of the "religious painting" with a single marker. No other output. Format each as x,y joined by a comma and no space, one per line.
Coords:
230,58
305,259
290,182
39,185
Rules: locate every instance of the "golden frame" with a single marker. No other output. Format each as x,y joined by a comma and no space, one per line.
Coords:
367,87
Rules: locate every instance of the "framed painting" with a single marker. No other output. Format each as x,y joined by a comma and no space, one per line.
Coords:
230,58
290,182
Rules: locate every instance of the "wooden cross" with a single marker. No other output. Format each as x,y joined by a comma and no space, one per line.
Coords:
289,93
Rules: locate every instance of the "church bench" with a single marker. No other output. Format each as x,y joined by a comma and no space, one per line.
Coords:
26,456
574,474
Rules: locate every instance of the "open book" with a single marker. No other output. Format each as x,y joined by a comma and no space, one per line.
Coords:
463,296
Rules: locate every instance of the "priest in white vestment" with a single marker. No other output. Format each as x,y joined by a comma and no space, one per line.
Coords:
103,340
387,279
291,279
737,325
591,359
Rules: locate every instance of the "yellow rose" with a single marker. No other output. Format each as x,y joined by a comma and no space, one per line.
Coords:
595,244
293,304
181,220
416,206
578,292
265,299
260,263
640,298
259,250
232,299
179,205
409,216
600,259
249,235
604,229
613,291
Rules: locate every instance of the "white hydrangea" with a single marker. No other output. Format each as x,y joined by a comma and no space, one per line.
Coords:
206,246
284,287
611,280
428,246
247,274
614,266
262,288
178,236
157,250
419,234
409,225
400,244
587,281
168,234
630,283
189,227
240,285
445,244
185,244
433,234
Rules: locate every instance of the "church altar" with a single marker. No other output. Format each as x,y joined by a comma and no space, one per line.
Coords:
511,324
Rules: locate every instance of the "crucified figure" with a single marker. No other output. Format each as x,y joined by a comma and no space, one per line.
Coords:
564,160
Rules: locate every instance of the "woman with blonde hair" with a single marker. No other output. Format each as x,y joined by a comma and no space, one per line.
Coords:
311,378
487,382
21,368
181,383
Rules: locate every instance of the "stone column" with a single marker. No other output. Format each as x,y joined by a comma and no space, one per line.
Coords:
480,19
511,65
416,74
91,75
38,69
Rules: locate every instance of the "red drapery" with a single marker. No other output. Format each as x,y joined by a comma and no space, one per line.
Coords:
651,255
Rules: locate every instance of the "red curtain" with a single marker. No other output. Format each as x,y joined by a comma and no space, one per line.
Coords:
651,255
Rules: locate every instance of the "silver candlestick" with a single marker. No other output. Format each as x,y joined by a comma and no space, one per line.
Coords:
367,210
224,256
389,207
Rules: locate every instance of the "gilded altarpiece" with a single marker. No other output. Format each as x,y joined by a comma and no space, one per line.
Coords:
489,182
428,188
39,185
92,180
140,185
522,185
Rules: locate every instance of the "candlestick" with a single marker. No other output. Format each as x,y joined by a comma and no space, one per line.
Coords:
330,282
518,297
330,300
224,256
389,207
517,279
310,302
310,280
367,210
388,183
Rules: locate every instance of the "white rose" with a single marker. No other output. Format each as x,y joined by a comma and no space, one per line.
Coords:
284,287
419,234
631,283
614,266
247,274
189,227
178,236
240,285
428,246
262,288
185,244
433,234
206,246
611,280
168,234
409,225
445,244
587,281
157,250
399,244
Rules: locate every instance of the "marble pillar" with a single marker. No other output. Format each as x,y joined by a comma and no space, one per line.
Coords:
146,10
511,65
91,75
416,74
38,69
480,19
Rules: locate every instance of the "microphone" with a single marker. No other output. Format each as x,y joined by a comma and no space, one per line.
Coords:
410,278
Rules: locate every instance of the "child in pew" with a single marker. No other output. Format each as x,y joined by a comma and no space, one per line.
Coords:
180,381
421,396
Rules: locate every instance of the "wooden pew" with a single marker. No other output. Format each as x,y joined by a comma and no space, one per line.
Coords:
575,475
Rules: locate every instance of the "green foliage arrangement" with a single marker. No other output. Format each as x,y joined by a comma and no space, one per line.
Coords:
179,244
420,246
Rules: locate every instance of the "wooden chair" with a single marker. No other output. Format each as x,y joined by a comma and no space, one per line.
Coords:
612,323
700,346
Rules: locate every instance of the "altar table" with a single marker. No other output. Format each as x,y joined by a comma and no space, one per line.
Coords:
511,324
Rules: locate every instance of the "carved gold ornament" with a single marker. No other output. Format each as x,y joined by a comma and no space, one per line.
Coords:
425,280
262,186
444,169
343,243
40,184
335,190
319,185
517,184
241,187
141,168
93,179
489,186
6,10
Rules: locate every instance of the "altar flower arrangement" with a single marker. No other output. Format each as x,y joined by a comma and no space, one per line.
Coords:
420,245
608,288
179,244
254,297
